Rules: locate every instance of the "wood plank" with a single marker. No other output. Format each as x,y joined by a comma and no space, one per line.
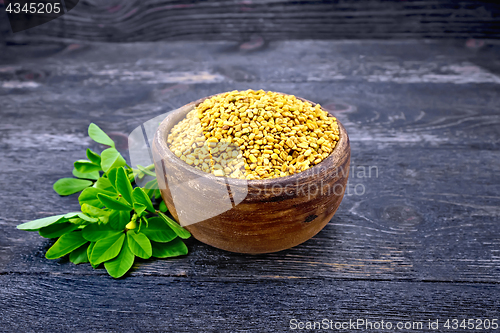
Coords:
48,303
425,114
272,19
399,228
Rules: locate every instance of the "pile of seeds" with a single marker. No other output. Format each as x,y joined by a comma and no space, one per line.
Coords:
254,135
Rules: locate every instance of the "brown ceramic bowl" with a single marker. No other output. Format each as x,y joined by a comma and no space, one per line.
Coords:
250,216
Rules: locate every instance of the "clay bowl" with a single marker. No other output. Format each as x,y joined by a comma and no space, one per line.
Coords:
250,216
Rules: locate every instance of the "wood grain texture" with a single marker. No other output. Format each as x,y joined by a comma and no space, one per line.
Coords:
255,22
256,216
419,236
150,303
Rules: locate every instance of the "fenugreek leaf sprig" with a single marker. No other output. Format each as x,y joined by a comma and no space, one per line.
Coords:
117,222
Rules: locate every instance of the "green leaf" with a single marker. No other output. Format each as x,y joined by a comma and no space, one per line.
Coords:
138,174
89,254
67,186
95,232
121,264
146,171
65,244
145,220
180,231
152,184
123,185
112,203
90,175
87,218
130,175
71,215
103,219
111,158
76,220
119,219
107,248
94,211
171,249
85,166
93,157
157,194
157,230
142,198
79,255
89,196
104,184
40,223
57,230
112,177
163,207
139,244
150,187
139,208
79,215
99,136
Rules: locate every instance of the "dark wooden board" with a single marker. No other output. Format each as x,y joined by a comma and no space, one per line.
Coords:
152,303
153,20
423,240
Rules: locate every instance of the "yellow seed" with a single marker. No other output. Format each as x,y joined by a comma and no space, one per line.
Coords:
219,173
271,132
303,145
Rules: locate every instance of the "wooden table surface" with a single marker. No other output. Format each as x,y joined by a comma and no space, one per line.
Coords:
418,239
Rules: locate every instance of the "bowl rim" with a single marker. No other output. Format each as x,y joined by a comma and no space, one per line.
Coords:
334,157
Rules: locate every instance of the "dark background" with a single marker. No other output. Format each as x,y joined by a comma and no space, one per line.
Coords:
154,20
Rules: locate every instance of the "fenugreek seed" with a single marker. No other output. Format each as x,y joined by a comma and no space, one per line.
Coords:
303,145
255,121
218,173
